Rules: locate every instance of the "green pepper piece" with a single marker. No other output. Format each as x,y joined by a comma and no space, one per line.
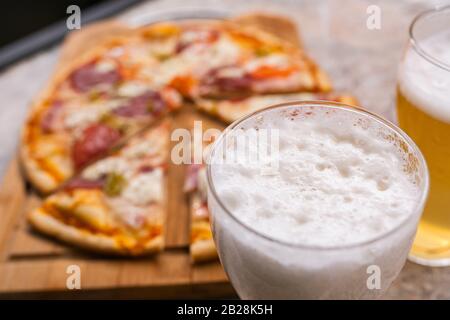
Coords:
114,184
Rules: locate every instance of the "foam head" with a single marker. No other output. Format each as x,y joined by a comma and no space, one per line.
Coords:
424,83
341,178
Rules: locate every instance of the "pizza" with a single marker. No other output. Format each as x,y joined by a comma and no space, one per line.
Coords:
91,106
123,84
116,205
201,244
230,110
221,59
94,142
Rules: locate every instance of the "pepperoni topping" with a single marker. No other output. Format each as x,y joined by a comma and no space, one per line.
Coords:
234,84
146,104
95,141
146,168
80,183
88,76
215,81
49,117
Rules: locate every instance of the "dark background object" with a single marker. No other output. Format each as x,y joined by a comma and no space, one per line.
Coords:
20,18
27,26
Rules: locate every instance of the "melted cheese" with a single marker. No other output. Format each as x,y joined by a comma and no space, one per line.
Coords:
107,165
132,89
80,116
232,72
145,188
164,47
133,216
116,52
105,65
83,116
274,60
223,52
171,68
143,148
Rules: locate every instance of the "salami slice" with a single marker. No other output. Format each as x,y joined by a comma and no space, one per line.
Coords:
146,168
48,120
80,183
89,76
149,103
95,141
218,82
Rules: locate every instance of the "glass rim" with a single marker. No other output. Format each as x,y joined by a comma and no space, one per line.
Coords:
311,103
415,42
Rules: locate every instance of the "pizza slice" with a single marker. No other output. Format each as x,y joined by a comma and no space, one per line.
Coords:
202,247
272,72
106,70
98,102
222,59
230,110
116,205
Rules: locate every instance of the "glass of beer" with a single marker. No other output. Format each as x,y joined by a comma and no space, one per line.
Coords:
423,108
314,200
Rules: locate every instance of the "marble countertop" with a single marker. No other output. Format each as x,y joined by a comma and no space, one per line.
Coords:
360,61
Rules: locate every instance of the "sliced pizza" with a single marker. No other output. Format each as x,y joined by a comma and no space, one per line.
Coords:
201,247
222,59
230,110
99,101
116,205
87,135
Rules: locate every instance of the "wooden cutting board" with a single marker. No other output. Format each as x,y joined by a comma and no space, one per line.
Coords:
34,266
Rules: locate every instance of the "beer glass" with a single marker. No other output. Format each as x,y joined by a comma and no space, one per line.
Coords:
423,108
264,267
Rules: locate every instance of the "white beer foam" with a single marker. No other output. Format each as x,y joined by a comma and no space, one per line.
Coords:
339,182
424,84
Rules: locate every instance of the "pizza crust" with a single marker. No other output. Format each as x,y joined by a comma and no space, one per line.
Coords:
229,111
40,179
274,24
47,224
203,251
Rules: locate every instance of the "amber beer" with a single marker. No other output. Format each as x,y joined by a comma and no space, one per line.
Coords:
423,108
